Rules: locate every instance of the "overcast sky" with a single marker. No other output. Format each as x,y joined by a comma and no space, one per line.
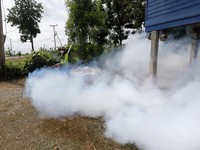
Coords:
55,13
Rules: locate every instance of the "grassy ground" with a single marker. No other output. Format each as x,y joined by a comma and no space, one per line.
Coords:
21,128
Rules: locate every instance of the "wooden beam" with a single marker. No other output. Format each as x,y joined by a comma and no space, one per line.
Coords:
154,55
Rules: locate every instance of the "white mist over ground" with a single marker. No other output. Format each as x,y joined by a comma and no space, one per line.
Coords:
163,117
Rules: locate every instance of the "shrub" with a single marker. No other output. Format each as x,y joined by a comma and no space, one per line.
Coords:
20,68
14,69
39,59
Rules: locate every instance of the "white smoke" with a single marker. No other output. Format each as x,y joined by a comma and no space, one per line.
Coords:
163,117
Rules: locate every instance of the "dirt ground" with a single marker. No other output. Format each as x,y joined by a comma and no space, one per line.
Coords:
22,129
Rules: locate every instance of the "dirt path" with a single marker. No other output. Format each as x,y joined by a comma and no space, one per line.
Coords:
21,128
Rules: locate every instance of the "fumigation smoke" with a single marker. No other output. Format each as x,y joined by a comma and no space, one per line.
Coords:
163,117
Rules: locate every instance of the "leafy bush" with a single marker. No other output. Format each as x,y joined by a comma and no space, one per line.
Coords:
37,59
15,69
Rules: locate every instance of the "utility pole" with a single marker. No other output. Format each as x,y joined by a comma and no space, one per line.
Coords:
2,54
54,32
11,44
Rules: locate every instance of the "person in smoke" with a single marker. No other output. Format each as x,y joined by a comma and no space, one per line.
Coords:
64,57
64,66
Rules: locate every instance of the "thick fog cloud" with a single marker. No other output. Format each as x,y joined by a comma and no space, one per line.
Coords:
162,117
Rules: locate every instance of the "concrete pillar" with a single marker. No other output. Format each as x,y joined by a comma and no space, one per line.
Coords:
154,55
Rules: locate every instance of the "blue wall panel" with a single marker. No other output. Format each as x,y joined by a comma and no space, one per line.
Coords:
162,14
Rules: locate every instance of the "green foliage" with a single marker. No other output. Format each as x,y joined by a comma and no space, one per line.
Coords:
9,52
43,49
92,51
20,68
39,59
26,14
136,11
73,55
15,69
85,26
97,25
84,15
123,15
19,53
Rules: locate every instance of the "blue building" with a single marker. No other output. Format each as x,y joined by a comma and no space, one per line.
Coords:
165,14
162,14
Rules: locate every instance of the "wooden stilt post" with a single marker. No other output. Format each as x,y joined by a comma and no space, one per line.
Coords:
154,55
194,46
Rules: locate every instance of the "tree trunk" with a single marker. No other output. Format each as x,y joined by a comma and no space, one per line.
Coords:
120,35
120,43
32,43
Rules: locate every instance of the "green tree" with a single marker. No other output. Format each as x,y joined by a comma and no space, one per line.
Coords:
19,53
9,52
86,26
123,15
26,14
136,11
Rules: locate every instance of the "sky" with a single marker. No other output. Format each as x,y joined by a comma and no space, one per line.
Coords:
55,13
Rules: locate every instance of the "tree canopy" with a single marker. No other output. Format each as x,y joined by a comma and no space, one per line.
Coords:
96,24
26,14
86,26
124,16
